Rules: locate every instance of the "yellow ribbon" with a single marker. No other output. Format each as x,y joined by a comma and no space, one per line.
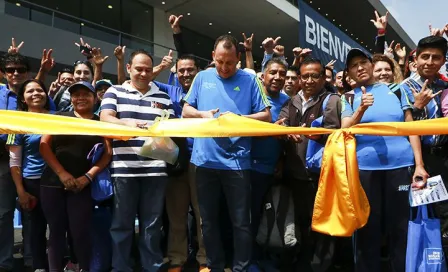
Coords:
341,205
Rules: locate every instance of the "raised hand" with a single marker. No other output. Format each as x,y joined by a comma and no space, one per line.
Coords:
297,51
167,60
13,49
279,50
423,97
247,41
269,44
84,47
436,31
119,52
300,53
389,50
174,22
366,99
47,62
331,64
400,51
380,22
97,57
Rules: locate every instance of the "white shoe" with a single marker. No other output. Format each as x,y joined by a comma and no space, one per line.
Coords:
71,267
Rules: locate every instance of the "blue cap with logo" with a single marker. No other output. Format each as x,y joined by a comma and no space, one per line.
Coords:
81,84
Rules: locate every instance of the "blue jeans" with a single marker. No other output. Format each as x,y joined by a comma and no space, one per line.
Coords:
145,196
7,206
236,188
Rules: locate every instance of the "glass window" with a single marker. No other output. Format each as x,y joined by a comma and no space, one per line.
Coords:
67,23
41,16
137,19
100,34
198,44
102,12
134,43
72,7
21,10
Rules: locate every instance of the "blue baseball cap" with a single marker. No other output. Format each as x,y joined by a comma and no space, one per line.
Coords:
101,83
356,52
81,84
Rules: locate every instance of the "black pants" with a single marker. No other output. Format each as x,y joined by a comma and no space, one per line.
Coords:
318,252
437,164
38,226
68,212
388,194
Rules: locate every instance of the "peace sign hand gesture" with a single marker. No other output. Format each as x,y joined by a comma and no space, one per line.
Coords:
13,49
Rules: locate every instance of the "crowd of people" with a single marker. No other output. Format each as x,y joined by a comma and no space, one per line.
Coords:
213,207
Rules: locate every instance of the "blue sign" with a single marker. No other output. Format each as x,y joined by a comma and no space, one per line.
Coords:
326,40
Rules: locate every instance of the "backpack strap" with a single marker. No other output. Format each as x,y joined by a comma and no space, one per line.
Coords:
270,216
349,98
282,210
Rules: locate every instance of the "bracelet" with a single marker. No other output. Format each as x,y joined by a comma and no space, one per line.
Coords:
381,31
88,177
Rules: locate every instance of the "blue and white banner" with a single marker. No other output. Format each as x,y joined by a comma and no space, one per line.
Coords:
326,40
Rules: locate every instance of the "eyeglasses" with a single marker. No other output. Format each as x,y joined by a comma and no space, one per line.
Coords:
12,70
314,77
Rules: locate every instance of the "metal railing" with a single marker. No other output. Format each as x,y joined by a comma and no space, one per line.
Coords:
94,30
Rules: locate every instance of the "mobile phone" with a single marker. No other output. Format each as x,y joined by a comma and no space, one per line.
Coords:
86,50
33,203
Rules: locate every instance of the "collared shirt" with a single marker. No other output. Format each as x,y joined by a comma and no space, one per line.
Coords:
305,103
129,103
433,109
381,152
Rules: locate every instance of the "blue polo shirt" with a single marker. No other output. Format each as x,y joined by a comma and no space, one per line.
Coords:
240,94
381,152
32,162
266,150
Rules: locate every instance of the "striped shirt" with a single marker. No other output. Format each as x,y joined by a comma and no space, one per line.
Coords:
130,104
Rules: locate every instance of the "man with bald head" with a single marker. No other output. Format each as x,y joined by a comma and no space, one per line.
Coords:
223,164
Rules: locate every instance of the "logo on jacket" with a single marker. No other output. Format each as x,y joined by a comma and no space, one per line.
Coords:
312,116
237,88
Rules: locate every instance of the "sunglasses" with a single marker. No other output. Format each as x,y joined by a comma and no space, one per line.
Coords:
81,62
12,70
